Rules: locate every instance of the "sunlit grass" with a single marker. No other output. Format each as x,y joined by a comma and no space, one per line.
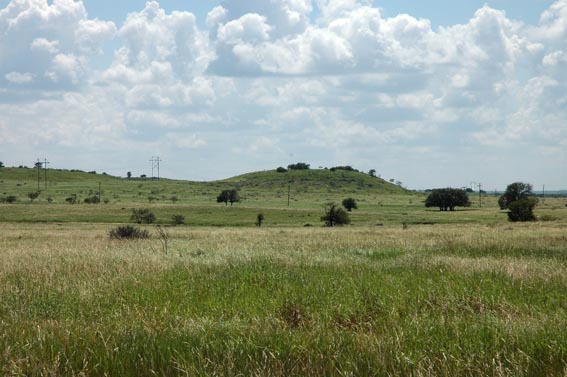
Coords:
425,300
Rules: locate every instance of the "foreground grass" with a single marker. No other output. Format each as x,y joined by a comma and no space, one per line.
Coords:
426,300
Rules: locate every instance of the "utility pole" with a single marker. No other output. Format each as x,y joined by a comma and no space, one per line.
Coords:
45,162
155,161
480,195
99,191
158,161
38,166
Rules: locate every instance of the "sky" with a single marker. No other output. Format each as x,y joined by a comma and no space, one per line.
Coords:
432,94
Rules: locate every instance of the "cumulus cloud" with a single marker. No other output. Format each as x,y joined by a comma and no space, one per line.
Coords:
50,36
331,80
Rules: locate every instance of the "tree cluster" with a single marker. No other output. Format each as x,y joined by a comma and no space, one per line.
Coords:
520,202
346,168
299,166
228,196
447,199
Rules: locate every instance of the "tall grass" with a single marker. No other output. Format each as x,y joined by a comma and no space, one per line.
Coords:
426,300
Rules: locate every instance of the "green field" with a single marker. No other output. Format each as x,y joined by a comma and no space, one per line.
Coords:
425,293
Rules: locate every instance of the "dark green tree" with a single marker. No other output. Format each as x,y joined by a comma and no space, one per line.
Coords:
447,199
335,215
129,175
520,201
228,196
372,172
514,192
1,164
350,204
299,166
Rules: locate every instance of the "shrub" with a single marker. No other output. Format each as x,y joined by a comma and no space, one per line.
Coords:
522,210
259,219
94,199
33,195
128,232
281,170
142,216
178,219
335,215
11,199
71,199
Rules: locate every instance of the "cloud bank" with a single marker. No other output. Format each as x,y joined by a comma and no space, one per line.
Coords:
266,83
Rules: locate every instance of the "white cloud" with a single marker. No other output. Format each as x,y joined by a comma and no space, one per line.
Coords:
40,37
19,78
332,81
249,28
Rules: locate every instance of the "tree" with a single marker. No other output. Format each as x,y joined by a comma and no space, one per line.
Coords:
33,195
350,204
228,196
335,215
129,175
281,169
299,166
372,172
142,216
259,219
520,201
514,192
447,199
174,199
1,164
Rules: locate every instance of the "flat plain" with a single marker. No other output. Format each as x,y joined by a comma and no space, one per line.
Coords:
405,290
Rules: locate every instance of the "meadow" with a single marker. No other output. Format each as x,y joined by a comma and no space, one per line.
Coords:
403,291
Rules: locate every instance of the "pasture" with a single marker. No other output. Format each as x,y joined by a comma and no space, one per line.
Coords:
424,293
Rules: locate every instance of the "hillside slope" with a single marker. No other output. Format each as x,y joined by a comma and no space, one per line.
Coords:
316,180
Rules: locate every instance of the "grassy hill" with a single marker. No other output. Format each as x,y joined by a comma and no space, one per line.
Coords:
262,192
261,187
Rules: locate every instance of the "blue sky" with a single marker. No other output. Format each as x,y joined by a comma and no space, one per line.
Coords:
436,93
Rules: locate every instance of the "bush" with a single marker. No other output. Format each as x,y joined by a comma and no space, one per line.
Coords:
11,199
142,216
281,170
522,210
128,232
92,200
335,215
71,199
259,219
178,219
